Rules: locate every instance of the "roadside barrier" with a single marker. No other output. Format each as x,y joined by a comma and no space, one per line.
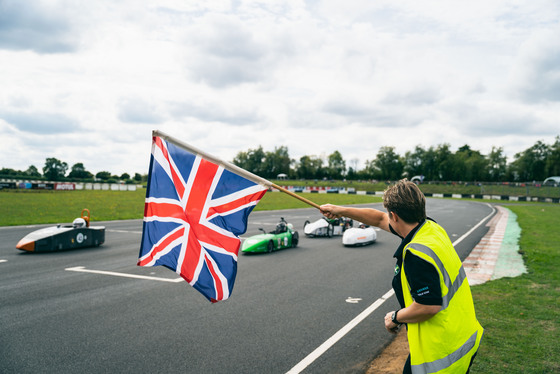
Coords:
440,195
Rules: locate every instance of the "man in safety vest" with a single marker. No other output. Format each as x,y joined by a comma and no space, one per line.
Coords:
429,282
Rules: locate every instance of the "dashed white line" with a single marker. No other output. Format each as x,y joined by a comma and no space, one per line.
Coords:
3,261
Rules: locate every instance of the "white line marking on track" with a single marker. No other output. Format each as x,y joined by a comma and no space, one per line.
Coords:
82,269
339,334
3,261
350,325
125,231
353,300
475,227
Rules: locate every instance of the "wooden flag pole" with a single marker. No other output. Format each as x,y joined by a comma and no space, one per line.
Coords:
231,167
296,196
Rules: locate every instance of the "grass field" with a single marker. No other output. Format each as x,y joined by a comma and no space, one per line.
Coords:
521,316
32,207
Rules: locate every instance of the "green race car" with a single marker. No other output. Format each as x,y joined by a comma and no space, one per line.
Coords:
284,236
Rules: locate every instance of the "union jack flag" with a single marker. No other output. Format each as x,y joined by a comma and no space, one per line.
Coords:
195,211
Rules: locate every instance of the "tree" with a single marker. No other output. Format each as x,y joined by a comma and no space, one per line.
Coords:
469,165
477,167
252,160
388,163
79,171
445,162
9,172
529,165
430,166
309,167
32,171
370,170
54,169
413,163
553,160
496,164
336,166
276,162
352,173
125,176
103,175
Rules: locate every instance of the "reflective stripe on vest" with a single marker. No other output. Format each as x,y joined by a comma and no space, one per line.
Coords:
429,353
451,287
447,361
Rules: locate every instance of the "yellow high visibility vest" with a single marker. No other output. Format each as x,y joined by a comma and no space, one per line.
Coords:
446,342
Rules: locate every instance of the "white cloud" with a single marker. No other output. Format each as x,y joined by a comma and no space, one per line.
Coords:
89,82
137,110
536,73
41,123
43,27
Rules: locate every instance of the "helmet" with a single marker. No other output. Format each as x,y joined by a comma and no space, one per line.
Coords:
281,227
79,222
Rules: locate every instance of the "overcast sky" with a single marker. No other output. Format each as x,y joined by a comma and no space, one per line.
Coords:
88,81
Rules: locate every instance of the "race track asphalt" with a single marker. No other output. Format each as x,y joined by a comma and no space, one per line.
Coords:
284,305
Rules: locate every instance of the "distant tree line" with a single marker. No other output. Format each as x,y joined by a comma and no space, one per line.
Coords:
439,163
55,170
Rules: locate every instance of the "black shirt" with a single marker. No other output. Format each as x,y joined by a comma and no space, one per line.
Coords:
421,275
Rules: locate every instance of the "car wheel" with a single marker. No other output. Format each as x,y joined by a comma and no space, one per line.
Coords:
270,247
295,239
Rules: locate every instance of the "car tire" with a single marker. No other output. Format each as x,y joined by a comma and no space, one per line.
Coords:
306,234
295,239
270,247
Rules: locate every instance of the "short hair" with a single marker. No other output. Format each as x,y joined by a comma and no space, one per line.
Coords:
406,200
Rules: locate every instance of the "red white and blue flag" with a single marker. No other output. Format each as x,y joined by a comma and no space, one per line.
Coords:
195,211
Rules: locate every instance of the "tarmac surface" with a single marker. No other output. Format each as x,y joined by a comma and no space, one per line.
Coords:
87,310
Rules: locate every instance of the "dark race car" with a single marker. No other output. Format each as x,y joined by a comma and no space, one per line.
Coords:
57,238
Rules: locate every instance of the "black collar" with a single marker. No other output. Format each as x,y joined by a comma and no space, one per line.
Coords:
405,241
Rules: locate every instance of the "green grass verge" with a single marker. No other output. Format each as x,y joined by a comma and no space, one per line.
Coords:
31,207
521,315
278,200
26,208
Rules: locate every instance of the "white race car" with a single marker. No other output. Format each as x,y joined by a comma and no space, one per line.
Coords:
327,227
361,235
